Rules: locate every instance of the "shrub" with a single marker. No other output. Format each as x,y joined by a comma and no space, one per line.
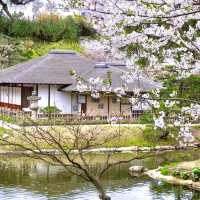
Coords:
21,28
51,28
196,174
3,24
7,118
150,134
164,170
176,173
184,175
72,31
47,27
146,118
85,27
50,109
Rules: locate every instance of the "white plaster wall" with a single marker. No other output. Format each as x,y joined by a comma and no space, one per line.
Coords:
16,96
61,100
4,94
43,93
10,95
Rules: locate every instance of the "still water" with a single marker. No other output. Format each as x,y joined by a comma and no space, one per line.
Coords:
26,179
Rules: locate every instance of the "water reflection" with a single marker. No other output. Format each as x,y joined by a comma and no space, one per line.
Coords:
26,179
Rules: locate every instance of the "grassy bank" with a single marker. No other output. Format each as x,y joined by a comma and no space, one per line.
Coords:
124,136
18,50
131,135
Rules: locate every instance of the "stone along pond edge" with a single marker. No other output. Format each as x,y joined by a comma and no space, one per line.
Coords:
156,174
109,150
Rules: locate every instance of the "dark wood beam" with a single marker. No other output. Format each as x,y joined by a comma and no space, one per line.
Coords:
37,89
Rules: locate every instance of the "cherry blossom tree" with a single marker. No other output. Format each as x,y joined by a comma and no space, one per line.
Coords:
158,36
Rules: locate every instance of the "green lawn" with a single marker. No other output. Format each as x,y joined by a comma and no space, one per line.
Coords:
124,136
2,131
136,136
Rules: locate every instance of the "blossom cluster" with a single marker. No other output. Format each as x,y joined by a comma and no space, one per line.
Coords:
157,35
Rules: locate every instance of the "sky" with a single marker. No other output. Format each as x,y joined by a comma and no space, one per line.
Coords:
41,6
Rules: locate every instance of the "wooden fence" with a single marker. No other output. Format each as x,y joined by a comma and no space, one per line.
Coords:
21,115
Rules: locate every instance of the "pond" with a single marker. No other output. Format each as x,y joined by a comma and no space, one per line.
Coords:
27,179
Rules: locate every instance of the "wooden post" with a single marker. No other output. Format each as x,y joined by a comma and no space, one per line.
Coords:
120,106
0,94
21,93
8,93
86,103
108,107
37,89
49,95
71,102
12,94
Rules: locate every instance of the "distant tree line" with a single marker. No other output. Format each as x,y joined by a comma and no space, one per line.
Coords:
47,27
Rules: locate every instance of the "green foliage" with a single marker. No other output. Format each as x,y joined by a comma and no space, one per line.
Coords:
3,24
176,173
143,62
154,136
16,50
196,174
55,30
151,134
164,170
3,130
145,118
42,48
191,88
7,119
130,29
132,48
50,109
21,28
185,175
11,51
23,39
188,88
181,174
47,28
85,28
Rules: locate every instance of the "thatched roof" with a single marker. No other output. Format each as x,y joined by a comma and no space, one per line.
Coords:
52,68
141,81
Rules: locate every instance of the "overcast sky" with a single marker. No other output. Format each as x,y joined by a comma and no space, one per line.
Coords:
41,6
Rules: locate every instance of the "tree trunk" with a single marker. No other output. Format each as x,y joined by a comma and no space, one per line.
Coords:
5,9
101,191
104,197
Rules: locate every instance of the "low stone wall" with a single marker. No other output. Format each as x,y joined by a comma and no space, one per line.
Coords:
131,149
155,174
